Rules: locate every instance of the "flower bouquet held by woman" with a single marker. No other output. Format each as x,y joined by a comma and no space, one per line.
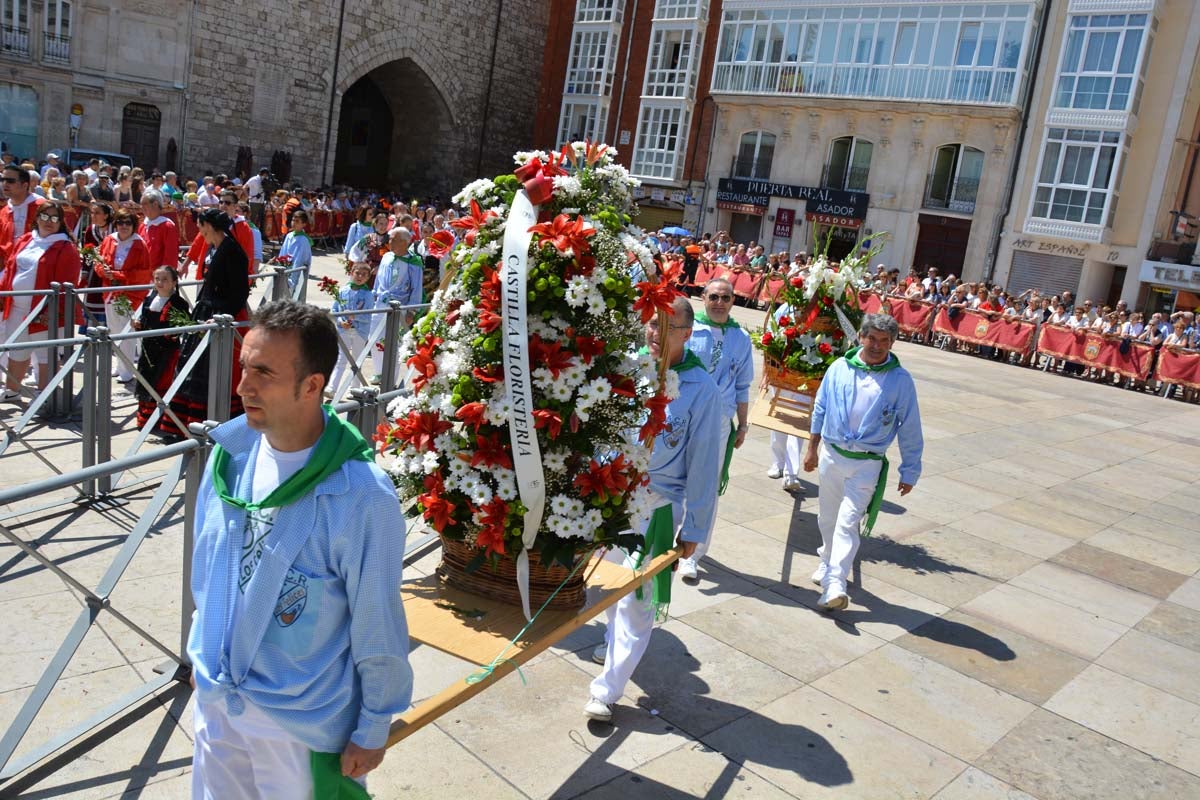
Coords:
528,429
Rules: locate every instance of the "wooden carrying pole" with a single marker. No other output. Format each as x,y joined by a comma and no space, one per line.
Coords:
436,619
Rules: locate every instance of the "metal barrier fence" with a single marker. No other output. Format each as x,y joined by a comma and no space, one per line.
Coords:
92,353
187,461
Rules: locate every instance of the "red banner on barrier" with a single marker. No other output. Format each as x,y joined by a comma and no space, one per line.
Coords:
1178,366
1096,350
913,316
870,302
979,328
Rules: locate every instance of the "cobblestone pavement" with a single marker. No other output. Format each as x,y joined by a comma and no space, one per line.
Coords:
1025,624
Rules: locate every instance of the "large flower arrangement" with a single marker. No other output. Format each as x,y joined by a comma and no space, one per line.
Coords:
816,317
449,441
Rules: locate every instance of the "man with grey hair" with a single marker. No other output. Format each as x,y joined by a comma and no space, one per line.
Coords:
399,278
866,401
159,233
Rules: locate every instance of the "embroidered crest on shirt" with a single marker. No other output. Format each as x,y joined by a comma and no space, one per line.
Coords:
292,598
718,347
254,537
673,433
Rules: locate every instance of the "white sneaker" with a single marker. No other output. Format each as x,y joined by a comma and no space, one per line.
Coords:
775,472
9,395
792,484
818,577
687,570
601,712
600,654
834,598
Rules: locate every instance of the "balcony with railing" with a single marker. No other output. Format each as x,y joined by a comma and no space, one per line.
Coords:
958,196
56,49
14,41
973,85
853,179
757,169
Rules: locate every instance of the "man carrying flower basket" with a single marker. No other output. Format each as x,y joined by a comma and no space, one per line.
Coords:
866,401
682,475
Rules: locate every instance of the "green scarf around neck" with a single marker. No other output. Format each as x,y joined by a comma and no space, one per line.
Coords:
705,319
855,361
339,443
359,285
690,360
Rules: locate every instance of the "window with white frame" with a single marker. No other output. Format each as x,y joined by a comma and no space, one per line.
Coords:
589,69
1100,61
954,180
14,27
677,9
662,131
756,152
1076,178
849,164
669,70
598,10
582,121
962,52
58,18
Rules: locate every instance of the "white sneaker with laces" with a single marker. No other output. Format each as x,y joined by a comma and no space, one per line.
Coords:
687,570
601,712
834,598
775,471
818,577
600,654
10,396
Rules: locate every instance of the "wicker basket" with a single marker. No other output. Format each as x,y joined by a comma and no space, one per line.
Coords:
782,378
500,582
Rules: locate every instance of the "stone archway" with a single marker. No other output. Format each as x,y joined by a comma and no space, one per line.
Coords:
396,131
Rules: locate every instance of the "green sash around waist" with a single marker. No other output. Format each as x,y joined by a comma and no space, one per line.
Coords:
880,484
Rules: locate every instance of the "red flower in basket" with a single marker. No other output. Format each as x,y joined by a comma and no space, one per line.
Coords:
767,338
604,480
420,429
552,421
838,336
827,300
437,509
422,362
472,414
791,332
784,321
825,348
797,281
491,535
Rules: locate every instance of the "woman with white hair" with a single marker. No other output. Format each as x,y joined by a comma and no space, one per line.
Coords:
158,232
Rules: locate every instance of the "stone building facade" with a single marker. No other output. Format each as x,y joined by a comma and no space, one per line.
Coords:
418,95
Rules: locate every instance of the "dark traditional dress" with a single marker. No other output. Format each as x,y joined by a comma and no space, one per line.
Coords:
93,302
159,359
224,291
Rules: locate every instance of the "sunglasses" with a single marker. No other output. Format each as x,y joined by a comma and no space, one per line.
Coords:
9,180
124,222
45,217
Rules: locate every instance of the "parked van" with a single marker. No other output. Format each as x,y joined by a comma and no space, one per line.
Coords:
77,158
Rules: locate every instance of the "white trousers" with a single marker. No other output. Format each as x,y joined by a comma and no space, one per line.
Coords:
247,757
630,623
377,361
356,343
847,485
119,323
786,450
702,547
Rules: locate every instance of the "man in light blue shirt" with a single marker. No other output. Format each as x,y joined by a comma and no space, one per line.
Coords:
400,278
724,349
866,401
681,474
299,645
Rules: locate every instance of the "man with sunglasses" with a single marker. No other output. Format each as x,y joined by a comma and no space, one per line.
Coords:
102,189
18,214
724,349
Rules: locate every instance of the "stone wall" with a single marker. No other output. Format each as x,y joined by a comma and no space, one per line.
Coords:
264,79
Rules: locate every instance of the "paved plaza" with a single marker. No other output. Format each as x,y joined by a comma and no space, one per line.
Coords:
1025,624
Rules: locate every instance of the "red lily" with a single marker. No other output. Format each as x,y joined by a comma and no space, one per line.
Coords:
492,451
549,355
472,414
552,421
492,373
589,347
537,177
565,234
622,385
420,428
422,362
436,508
657,406
604,480
473,223
489,300
439,243
491,535
659,296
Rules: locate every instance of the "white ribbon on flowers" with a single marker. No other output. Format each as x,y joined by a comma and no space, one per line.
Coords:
518,386
847,328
